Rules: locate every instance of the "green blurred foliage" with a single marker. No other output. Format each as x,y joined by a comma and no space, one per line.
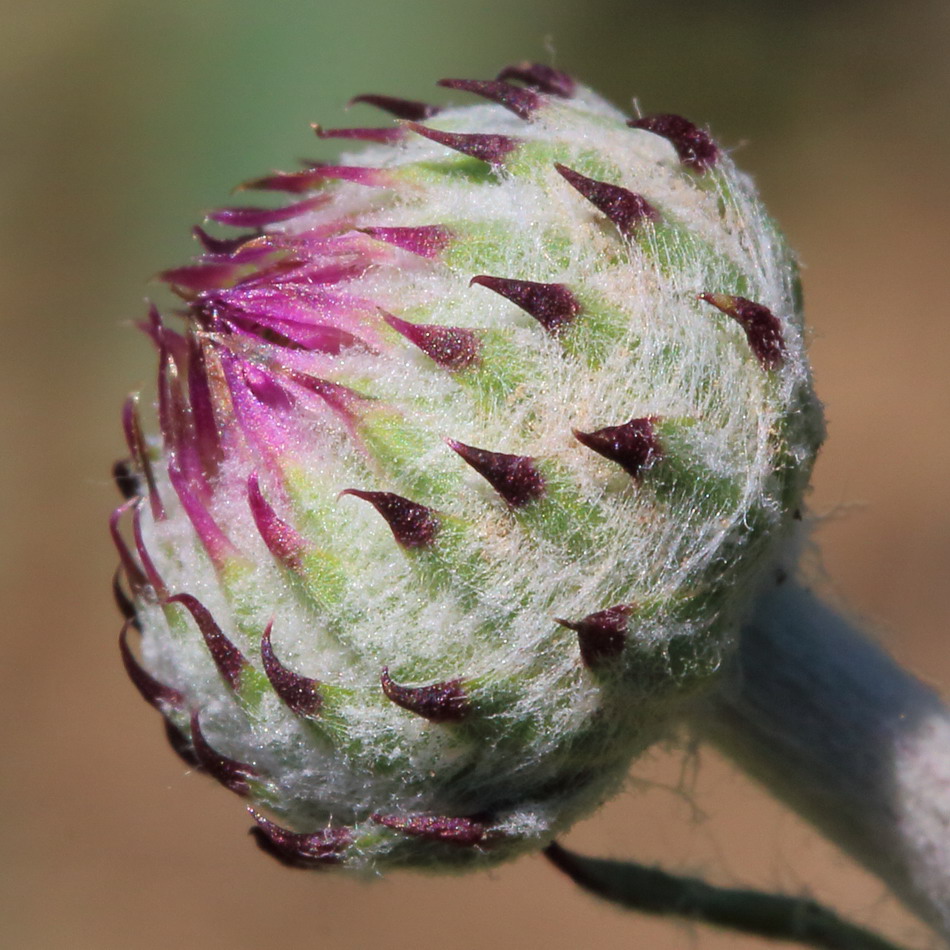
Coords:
123,118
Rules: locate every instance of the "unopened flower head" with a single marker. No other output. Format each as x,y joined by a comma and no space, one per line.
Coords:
468,459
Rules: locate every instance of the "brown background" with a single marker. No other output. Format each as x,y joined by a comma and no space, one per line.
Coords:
121,122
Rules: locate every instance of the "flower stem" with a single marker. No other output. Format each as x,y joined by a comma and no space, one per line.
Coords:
836,729
773,916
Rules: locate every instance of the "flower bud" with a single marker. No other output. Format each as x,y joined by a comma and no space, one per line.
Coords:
468,462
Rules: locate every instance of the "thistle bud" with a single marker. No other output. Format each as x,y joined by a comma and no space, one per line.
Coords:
464,466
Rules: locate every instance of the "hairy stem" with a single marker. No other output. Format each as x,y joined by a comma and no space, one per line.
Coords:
835,728
772,916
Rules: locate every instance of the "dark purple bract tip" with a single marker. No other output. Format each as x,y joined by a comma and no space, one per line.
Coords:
453,348
465,831
601,636
282,540
148,565
181,745
345,402
693,145
232,774
229,660
633,446
139,456
626,209
384,136
522,102
299,693
314,850
314,177
262,217
400,108
220,246
122,600
547,79
515,477
412,525
762,328
133,573
125,479
554,306
426,240
162,697
486,147
438,702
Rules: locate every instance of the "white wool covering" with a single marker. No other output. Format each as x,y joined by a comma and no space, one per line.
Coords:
547,737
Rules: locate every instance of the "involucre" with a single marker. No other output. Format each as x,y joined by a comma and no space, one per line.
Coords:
469,461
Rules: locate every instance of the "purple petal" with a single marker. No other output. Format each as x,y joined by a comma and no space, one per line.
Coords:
198,278
261,217
265,388
240,326
260,407
227,432
346,402
626,209
317,338
174,420
215,541
314,316
207,438
220,246
427,240
282,539
163,338
438,702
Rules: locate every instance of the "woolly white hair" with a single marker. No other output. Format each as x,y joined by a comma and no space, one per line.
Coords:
681,545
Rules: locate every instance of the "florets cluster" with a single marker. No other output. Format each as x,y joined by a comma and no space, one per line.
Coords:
469,458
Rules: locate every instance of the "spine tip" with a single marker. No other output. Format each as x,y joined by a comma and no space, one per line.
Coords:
634,446
625,208
437,702
412,525
515,477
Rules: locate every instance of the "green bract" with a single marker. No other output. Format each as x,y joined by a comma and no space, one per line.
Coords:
470,460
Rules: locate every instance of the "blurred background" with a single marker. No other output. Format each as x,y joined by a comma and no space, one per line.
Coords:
121,121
